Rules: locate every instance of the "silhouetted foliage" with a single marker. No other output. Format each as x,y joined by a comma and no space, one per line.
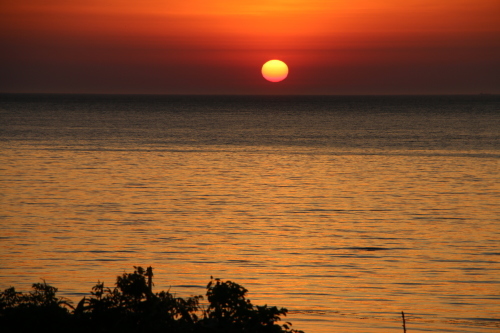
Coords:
39,308
131,306
230,311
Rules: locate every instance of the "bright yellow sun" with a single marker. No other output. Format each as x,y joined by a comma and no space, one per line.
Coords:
275,70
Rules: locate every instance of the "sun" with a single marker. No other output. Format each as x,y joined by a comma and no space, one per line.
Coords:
275,70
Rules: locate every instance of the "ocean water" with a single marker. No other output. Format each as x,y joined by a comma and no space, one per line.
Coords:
345,210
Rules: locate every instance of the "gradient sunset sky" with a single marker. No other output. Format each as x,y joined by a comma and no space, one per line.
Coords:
219,46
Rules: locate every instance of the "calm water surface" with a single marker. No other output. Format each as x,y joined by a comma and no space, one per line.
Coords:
345,210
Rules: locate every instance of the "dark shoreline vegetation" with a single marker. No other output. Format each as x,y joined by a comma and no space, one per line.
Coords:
132,306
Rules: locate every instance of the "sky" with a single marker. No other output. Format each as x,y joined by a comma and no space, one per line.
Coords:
333,47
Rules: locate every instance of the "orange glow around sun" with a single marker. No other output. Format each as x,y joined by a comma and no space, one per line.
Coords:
275,70
177,47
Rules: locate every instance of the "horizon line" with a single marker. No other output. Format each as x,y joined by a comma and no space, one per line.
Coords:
245,95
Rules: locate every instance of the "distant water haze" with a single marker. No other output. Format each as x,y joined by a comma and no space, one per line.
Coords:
345,210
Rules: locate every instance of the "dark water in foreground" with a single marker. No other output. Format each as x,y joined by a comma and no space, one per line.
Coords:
345,210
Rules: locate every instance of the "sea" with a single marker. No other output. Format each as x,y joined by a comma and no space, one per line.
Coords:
346,210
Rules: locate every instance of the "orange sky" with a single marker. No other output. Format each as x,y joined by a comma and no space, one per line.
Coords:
219,46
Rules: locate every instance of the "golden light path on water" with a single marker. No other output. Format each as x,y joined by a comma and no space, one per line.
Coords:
346,241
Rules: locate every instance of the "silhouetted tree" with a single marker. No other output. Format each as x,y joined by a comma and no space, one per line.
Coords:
131,306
